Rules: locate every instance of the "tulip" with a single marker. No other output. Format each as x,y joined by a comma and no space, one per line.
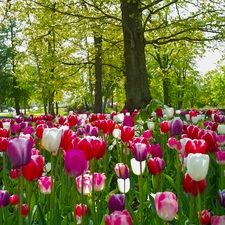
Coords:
193,187
169,112
19,151
33,170
156,151
205,217
195,146
220,157
99,181
118,118
118,218
220,139
116,133
175,126
51,139
128,121
4,132
66,140
197,166
122,170
14,199
151,125
140,152
79,212
116,202
75,163
147,134
156,165
4,198
24,209
87,184
44,185
123,185
39,130
221,195
135,165
217,220
221,128
127,133
164,127
166,205
72,120
3,144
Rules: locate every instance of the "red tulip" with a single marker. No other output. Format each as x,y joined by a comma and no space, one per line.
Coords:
127,133
195,146
192,132
72,120
34,169
39,130
164,127
14,199
205,217
3,144
67,139
156,165
193,187
4,132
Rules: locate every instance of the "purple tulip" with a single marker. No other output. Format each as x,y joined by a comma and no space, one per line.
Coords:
122,170
140,151
19,151
75,163
221,195
4,198
175,126
116,202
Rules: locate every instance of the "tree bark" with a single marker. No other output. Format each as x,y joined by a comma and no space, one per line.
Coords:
98,73
137,83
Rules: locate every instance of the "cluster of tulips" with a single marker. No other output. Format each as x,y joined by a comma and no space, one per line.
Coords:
154,166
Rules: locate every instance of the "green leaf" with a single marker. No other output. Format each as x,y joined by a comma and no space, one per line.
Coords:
41,218
153,105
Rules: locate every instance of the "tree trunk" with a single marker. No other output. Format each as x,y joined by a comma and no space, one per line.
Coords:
137,83
166,90
98,73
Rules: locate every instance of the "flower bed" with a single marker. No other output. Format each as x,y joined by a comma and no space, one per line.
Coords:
155,166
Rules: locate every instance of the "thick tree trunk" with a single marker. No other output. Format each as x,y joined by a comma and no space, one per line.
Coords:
137,83
98,73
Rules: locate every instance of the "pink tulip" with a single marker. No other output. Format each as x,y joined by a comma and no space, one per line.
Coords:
99,181
220,157
87,183
118,218
218,220
166,205
44,185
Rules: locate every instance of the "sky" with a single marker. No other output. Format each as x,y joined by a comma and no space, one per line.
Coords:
208,62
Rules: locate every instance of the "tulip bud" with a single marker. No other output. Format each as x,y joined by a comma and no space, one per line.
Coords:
4,198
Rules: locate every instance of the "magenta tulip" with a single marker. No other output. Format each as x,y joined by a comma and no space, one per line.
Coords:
220,157
75,163
166,205
19,151
118,218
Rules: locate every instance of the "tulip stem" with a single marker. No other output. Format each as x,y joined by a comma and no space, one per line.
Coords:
52,196
191,209
20,218
82,199
140,181
199,204
93,192
1,216
29,194
74,201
